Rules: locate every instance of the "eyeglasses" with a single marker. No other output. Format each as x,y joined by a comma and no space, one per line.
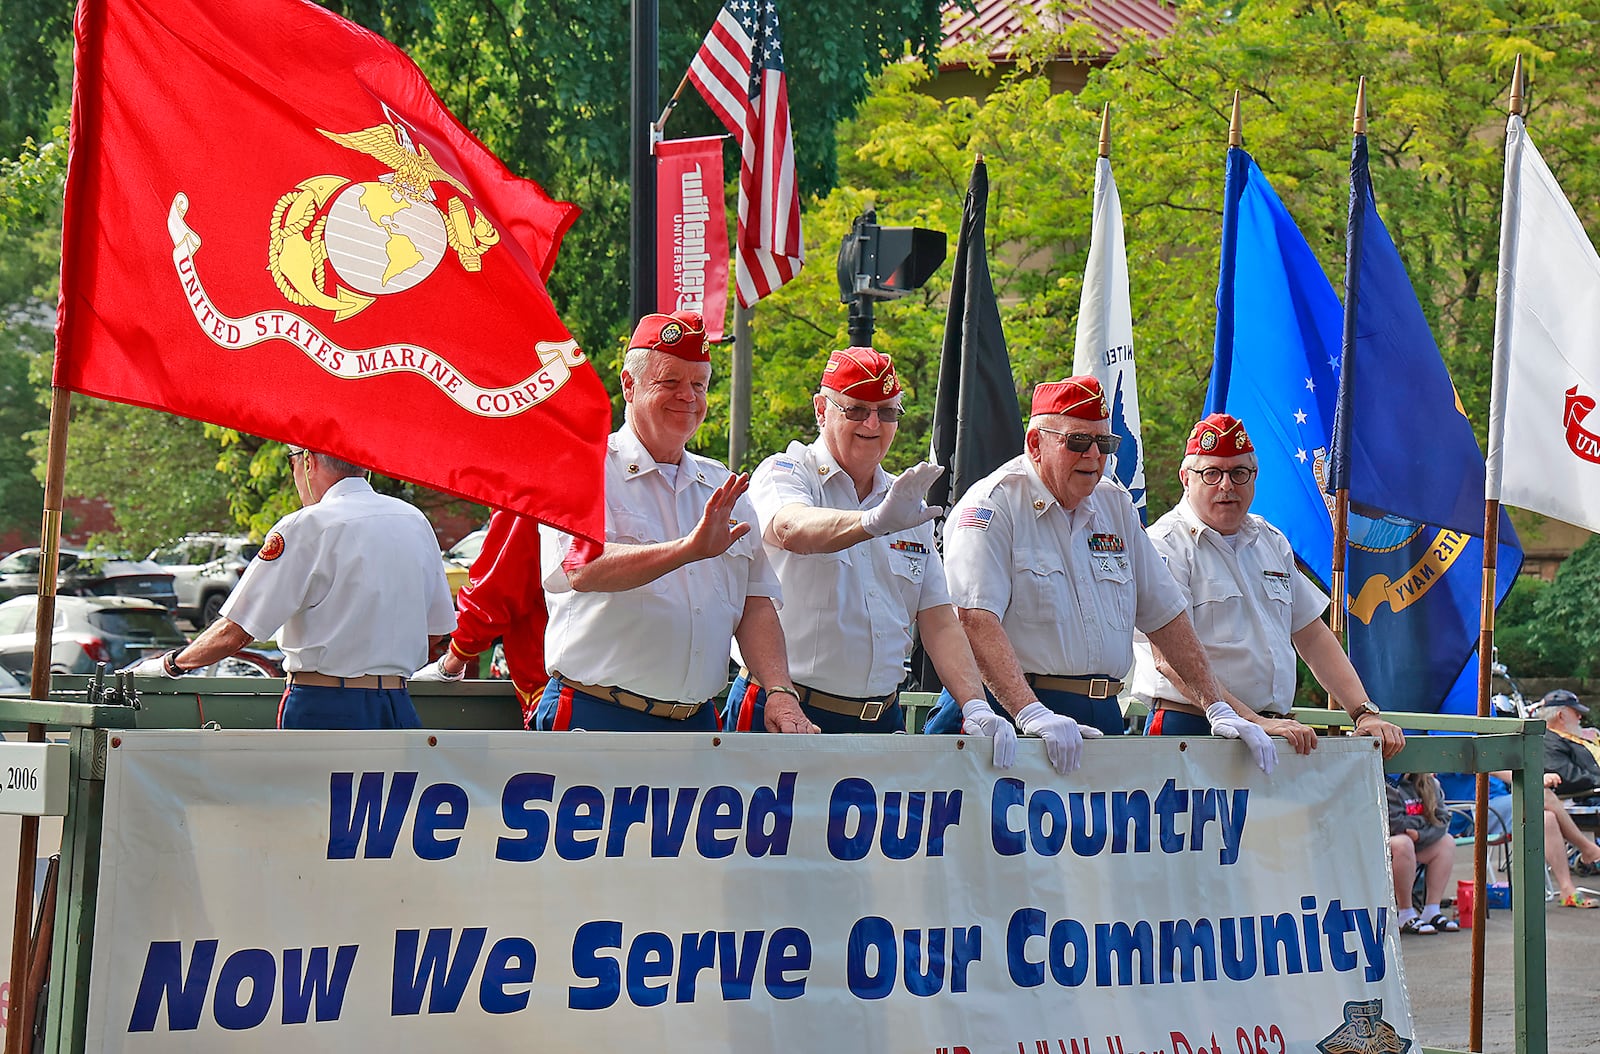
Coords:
1211,475
889,415
295,452
1080,442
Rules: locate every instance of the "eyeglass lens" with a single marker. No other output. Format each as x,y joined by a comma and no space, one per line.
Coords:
1240,474
886,414
1080,442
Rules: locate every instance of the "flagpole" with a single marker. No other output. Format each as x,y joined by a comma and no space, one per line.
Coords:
646,26
739,386
1341,495
1491,538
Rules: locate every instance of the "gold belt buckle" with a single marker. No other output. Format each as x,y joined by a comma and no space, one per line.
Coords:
682,711
872,711
1099,687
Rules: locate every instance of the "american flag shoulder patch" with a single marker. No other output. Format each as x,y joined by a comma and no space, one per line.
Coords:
782,466
974,517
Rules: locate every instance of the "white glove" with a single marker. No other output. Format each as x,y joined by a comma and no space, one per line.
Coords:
903,507
151,667
1063,737
1229,725
432,672
979,719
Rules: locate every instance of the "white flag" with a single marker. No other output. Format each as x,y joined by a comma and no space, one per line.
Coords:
1105,333
1544,447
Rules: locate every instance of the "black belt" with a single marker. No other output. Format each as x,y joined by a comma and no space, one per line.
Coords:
1093,687
366,680
861,709
634,701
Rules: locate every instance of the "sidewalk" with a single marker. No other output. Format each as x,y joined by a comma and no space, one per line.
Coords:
1438,977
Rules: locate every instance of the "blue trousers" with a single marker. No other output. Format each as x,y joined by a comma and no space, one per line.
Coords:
745,711
1104,714
1176,723
563,708
319,706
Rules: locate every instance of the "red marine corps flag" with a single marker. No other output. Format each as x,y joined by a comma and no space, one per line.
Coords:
274,224
739,70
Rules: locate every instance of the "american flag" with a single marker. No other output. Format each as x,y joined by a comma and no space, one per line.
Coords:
973,516
739,70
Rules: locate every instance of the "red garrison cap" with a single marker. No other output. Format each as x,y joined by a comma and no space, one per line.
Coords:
682,334
1220,435
863,373
1079,397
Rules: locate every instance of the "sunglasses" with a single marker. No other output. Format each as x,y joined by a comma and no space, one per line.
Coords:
1080,442
887,414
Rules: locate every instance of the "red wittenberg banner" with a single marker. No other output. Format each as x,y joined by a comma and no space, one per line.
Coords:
692,230
274,224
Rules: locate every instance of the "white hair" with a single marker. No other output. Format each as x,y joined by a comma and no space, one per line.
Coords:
636,361
1191,462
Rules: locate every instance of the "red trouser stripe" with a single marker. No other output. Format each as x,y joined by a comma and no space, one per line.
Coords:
563,718
747,705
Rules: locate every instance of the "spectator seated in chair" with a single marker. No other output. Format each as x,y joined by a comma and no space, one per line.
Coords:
1419,825
1560,831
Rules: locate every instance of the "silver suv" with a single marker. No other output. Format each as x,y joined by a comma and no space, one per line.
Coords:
205,568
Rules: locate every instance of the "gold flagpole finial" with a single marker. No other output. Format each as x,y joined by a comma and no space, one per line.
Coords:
1235,124
1516,88
979,159
1361,107
1105,130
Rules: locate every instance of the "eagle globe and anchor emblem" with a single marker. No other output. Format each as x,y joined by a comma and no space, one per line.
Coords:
338,245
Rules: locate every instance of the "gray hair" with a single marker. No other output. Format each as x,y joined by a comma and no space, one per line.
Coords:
636,361
1191,462
337,466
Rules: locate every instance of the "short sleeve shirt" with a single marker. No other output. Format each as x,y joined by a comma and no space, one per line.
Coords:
847,616
354,580
1069,587
668,639
1245,599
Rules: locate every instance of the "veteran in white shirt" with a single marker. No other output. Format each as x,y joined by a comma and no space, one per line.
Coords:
854,549
639,636
1052,574
355,582
1252,608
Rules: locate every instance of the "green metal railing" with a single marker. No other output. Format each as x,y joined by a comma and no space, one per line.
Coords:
1484,745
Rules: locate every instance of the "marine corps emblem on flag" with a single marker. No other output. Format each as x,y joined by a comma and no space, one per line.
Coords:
338,244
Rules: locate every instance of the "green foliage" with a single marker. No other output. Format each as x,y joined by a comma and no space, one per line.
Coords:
1438,76
1565,631
1518,632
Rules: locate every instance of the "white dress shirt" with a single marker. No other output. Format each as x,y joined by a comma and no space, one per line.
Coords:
847,616
1069,588
357,586
668,639
1246,597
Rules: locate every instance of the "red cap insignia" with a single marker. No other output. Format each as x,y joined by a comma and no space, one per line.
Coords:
1080,397
682,334
861,372
1221,435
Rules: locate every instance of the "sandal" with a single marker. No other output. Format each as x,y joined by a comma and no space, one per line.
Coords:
1578,900
1444,924
1586,868
1419,926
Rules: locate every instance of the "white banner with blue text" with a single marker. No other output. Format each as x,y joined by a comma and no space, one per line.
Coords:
453,891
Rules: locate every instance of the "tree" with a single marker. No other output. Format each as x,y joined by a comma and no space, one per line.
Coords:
545,86
1438,73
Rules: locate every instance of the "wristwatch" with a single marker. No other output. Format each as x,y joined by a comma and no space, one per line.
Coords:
1368,707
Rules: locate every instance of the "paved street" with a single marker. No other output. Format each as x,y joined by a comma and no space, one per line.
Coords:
1438,977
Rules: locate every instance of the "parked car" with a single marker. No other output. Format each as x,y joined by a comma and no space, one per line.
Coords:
88,630
205,568
80,573
458,559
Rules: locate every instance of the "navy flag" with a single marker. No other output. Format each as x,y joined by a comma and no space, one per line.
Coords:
1278,367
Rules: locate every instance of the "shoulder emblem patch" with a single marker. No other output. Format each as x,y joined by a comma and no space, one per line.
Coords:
272,548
